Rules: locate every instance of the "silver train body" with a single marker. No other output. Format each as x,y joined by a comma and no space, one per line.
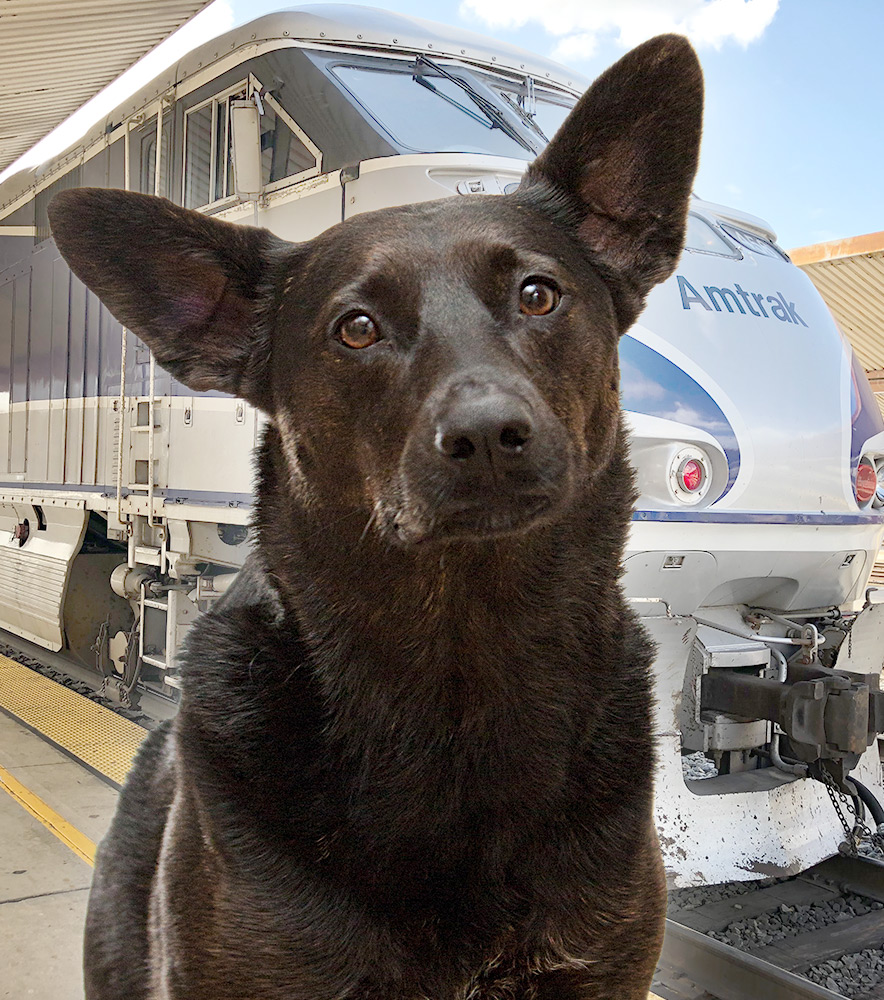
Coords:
125,498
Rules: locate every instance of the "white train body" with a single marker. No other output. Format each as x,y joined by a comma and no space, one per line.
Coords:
736,366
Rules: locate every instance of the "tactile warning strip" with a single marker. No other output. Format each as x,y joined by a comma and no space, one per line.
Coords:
104,741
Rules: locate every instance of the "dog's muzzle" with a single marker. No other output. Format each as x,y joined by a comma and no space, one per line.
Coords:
484,459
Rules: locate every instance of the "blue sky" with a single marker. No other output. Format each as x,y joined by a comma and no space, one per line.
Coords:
794,127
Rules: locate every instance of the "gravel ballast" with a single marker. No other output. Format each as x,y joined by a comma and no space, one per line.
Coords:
697,766
785,921
690,899
850,975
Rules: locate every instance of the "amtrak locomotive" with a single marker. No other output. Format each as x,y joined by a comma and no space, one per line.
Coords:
125,497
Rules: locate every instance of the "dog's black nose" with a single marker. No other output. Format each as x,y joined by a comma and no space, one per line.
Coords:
492,428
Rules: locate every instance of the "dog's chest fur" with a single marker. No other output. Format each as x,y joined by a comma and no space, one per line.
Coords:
427,830
440,758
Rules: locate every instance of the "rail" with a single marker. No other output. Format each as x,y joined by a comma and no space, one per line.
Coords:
773,968
730,974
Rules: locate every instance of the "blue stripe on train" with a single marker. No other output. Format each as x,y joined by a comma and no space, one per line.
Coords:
650,383
757,517
220,498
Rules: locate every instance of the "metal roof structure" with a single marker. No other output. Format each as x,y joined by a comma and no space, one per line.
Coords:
57,54
849,274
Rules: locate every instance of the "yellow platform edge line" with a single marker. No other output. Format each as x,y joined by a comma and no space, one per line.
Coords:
69,835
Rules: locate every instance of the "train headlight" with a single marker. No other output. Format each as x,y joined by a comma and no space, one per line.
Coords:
866,484
690,475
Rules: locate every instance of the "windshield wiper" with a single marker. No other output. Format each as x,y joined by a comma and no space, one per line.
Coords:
492,113
526,116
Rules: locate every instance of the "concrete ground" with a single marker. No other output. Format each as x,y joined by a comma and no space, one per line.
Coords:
43,884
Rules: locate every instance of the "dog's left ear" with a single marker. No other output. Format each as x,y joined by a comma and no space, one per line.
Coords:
622,165
195,289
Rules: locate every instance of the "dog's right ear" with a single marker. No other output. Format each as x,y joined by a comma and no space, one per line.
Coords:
195,289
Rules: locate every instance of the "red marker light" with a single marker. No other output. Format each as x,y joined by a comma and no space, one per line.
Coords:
691,475
866,482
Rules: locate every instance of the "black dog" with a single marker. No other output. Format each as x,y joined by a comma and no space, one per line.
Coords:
413,758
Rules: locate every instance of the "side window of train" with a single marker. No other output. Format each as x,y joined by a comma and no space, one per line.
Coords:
287,153
146,138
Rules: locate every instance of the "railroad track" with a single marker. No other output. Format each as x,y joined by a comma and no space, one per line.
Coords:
696,966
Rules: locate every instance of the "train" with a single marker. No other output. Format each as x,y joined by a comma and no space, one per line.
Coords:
758,444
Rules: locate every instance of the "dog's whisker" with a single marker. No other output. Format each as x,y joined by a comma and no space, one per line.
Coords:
372,520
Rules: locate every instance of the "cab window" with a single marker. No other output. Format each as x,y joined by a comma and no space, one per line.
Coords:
540,111
754,242
426,112
702,238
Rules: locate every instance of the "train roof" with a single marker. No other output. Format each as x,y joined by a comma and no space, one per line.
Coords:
354,26
333,26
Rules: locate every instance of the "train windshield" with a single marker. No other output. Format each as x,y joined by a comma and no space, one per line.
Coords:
428,107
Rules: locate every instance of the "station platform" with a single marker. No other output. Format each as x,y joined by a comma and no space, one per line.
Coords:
62,759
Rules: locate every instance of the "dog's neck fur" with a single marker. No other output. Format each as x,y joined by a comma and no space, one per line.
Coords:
389,626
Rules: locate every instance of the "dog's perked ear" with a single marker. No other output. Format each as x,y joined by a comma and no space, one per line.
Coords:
193,288
622,165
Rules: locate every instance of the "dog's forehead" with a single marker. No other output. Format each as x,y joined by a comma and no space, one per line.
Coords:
459,236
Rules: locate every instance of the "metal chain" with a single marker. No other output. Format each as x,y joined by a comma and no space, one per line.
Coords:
853,835
851,843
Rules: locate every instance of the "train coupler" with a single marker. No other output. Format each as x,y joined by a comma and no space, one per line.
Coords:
824,714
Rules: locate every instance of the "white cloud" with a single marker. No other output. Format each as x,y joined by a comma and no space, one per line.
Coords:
639,387
580,45
214,20
581,24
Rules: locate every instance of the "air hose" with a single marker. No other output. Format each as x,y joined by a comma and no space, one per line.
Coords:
870,802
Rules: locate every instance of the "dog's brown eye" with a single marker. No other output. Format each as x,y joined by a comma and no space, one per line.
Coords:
358,332
537,298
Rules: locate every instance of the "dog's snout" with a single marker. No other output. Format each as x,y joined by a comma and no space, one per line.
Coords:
494,427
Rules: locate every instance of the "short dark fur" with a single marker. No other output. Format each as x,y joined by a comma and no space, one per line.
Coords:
413,758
